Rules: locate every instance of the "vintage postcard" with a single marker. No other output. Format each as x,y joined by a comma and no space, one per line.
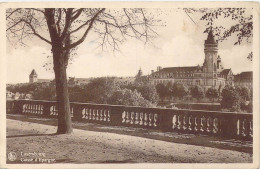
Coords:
129,85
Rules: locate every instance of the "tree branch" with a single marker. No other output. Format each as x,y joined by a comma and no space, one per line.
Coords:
35,33
67,23
86,32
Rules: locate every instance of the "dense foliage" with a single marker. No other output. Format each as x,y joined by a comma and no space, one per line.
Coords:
236,99
212,93
99,90
197,92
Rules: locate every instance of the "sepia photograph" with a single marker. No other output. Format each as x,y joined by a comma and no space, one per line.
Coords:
119,83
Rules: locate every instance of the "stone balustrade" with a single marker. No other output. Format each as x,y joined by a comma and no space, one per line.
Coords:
224,124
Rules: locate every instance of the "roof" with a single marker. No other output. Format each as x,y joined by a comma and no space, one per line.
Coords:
33,73
79,80
248,74
210,38
178,69
225,72
244,75
44,80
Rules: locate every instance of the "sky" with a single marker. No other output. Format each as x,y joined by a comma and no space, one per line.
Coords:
180,43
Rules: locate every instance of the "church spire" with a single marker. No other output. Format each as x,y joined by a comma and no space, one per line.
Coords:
210,39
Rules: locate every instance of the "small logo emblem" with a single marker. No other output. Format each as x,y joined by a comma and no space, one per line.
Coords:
12,156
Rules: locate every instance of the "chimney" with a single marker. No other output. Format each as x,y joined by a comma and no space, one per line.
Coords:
159,68
152,71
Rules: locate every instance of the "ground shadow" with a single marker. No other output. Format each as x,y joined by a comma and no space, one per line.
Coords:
192,139
29,135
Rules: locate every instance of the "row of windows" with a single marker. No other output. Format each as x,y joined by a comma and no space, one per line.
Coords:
170,75
190,82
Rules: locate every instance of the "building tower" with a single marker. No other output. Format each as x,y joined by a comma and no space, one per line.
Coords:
211,55
33,77
140,73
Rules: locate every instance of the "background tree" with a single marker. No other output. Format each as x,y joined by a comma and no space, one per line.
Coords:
230,99
243,92
66,28
147,90
99,90
179,90
212,93
197,92
162,91
129,98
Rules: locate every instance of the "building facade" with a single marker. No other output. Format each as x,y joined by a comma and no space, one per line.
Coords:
244,79
210,74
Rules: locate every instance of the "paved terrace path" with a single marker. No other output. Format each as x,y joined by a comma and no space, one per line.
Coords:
101,147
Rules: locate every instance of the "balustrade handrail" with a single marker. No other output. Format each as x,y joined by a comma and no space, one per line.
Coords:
153,108
231,124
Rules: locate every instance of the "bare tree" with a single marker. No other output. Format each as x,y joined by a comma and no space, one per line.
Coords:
66,28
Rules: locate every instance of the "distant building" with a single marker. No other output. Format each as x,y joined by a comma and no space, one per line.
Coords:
211,74
33,78
244,79
125,80
78,81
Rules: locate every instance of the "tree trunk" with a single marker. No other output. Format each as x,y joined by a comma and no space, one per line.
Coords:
60,61
64,115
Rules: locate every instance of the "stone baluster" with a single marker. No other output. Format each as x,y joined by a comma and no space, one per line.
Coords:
145,119
203,126
108,115
132,115
175,122
94,114
137,118
87,110
124,117
101,115
105,115
191,123
180,122
243,129
251,129
83,112
150,119
51,110
215,125
197,123
97,118
28,109
35,108
127,117
155,119
24,108
41,109
141,119
90,114
209,125
185,122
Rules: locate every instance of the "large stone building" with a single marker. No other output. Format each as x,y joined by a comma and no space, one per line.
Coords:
210,74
